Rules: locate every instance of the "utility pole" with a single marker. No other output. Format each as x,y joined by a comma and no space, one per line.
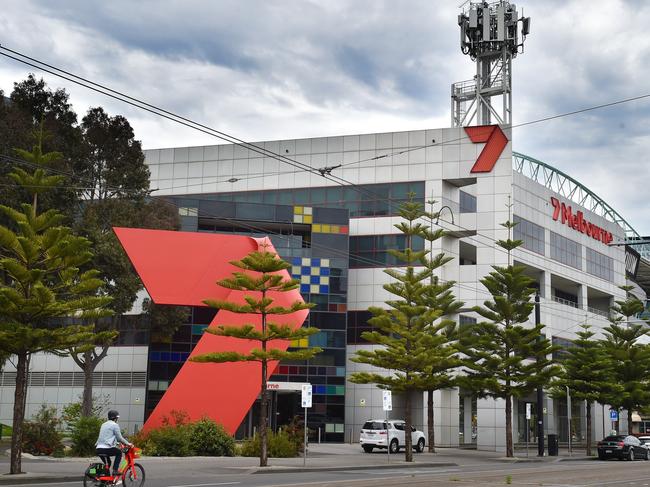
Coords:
540,393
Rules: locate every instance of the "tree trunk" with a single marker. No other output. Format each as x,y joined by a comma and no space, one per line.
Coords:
263,421
431,440
588,428
629,421
87,396
408,441
509,449
20,395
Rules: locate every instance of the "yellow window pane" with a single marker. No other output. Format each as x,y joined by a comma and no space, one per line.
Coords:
316,228
297,210
306,218
326,228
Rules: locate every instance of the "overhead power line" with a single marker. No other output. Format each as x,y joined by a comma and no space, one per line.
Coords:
322,172
372,263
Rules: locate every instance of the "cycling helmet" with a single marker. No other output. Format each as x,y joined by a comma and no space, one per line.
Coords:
113,415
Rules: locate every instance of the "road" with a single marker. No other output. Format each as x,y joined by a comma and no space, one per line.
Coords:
586,473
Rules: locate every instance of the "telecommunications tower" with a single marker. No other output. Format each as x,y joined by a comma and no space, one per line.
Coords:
490,33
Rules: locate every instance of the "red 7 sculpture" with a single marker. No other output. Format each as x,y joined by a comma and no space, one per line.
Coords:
181,268
496,142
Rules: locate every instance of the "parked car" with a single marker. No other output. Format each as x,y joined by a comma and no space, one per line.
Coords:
623,447
373,435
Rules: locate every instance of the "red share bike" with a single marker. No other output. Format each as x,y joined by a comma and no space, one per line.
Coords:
131,473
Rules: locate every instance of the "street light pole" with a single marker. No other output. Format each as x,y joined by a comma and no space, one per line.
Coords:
540,393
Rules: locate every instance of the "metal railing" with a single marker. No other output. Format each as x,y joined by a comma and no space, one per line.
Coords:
565,301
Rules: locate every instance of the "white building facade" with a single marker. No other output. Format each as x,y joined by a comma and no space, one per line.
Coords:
578,274
565,251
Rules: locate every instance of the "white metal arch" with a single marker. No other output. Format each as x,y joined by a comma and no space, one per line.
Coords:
569,188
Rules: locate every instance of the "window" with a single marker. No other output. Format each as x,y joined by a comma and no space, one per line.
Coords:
372,250
563,345
600,265
360,200
531,234
464,320
357,324
566,251
467,202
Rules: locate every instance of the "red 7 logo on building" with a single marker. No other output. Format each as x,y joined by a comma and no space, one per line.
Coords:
495,140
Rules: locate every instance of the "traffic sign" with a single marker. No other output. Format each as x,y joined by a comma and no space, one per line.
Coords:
306,395
388,401
613,415
528,410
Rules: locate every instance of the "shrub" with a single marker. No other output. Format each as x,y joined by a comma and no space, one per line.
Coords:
41,436
168,441
83,433
178,437
210,439
296,431
280,445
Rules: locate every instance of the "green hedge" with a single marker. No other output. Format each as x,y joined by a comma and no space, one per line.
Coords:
280,445
200,438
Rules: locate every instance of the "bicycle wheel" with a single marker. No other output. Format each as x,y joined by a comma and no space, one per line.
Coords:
134,477
90,480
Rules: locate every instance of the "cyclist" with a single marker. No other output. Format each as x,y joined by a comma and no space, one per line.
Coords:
109,439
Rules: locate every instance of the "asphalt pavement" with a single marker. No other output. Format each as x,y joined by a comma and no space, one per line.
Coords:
338,463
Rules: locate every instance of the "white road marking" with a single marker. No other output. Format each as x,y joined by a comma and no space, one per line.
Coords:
206,485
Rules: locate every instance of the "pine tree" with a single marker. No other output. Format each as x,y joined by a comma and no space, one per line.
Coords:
439,296
40,263
588,373
623,344
498,351
412,346
261,276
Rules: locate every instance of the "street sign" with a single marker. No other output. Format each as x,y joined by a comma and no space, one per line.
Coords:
388,401
362,402
306,395
613,415
285,386
528,410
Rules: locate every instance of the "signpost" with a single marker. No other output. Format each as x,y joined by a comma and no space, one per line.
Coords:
387,400
528,414
568,415
306,403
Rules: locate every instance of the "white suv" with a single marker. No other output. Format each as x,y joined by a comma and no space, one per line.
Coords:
373,435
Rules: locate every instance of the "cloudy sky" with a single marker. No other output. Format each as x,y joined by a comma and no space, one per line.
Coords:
270,69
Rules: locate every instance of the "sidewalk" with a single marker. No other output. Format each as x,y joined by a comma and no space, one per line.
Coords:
323,457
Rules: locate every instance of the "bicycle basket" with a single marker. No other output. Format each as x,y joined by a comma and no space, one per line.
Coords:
137,452
98,470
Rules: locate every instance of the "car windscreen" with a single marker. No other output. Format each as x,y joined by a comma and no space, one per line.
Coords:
374,425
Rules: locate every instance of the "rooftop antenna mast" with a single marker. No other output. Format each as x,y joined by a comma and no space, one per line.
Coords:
490,33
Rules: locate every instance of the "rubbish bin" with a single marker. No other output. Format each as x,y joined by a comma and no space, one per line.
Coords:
553,446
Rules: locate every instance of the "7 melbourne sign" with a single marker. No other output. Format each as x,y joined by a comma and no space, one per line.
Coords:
577,221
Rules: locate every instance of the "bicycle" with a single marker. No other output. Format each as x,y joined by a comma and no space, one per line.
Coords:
131,473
